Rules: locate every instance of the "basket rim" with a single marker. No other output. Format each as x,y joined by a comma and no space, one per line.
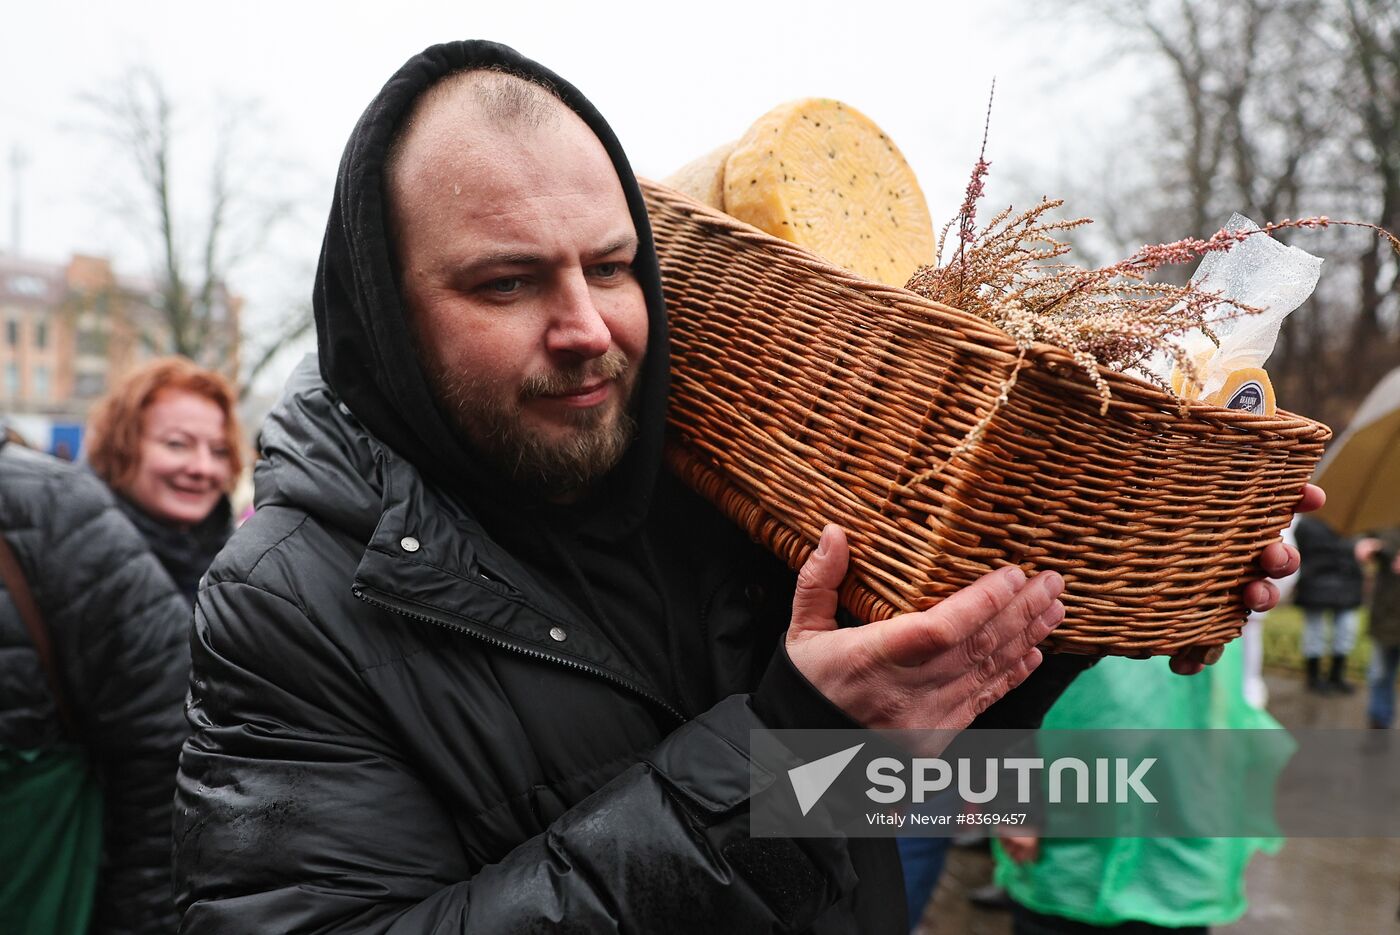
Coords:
1052,362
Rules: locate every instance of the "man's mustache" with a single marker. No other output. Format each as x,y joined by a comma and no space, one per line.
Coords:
611,366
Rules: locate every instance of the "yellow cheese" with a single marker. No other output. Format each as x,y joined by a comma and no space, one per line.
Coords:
1247,388
821,174
703,179
1191,390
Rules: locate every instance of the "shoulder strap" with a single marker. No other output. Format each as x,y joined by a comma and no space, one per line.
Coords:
24,602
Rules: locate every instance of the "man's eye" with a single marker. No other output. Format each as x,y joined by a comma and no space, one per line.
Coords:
609,270
506,285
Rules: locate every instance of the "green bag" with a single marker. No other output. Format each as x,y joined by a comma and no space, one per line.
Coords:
50,805
50,843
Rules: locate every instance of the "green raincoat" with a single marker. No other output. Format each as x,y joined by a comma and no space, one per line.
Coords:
1163,881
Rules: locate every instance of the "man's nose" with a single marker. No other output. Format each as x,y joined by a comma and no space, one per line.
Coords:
578,327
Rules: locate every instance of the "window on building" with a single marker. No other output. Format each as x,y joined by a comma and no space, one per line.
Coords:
12,332
92,340
28,285
12,380
41,335
90,385
41,383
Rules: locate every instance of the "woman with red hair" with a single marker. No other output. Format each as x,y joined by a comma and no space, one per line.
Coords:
166,439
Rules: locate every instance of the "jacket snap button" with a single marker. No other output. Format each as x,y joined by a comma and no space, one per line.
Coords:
409,544
557,634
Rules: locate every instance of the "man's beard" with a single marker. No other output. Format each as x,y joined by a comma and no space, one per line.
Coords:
489,420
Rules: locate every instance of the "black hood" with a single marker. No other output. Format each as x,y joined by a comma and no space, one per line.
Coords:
366,352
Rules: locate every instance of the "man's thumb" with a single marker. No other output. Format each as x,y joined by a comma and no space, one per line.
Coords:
814,601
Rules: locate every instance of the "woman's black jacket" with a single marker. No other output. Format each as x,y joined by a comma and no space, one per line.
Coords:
120,637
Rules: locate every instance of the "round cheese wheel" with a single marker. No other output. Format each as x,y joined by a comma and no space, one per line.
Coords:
819,173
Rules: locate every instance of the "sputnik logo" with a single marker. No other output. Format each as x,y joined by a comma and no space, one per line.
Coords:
811,780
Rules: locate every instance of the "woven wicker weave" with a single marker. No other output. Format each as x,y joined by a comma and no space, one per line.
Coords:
802,394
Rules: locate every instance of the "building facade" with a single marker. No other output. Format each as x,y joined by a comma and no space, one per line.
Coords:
69,331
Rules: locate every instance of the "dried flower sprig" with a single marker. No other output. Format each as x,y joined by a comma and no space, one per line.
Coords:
1111,317
976,187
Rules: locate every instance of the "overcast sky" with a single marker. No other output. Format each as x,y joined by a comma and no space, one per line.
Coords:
673,85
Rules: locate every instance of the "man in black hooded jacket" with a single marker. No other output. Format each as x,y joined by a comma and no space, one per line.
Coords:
477,663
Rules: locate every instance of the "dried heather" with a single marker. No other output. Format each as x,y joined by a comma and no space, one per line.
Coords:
1113,317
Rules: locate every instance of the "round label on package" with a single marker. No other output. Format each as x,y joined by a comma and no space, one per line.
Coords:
1249,397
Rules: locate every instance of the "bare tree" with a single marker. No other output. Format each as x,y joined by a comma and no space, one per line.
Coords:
1277,108
197,245
1371,93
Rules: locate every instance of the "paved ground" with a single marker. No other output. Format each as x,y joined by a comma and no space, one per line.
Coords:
1311,887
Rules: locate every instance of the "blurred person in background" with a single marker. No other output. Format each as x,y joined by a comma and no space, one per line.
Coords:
1256,692
1137,885
1384,550
923,859
1329,584
166,439
94,663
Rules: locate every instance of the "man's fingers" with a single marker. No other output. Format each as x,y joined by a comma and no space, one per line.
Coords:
1027,620
1186,666
1260,596
912,639
993,680
1041,627
1279,560
1003,618
1023,668
1017,657
1193,659
982,621
1313,498
814,602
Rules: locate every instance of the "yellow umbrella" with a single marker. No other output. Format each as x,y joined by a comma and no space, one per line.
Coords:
1361,472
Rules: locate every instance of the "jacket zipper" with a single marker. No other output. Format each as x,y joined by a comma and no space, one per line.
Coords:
636,689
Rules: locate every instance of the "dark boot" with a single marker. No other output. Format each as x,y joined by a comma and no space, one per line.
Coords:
1314,670
1338,681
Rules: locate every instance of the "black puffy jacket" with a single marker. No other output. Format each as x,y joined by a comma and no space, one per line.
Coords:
391,734
1329,577
120,633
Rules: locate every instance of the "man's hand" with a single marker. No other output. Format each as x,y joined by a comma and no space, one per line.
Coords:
1277,561
938,668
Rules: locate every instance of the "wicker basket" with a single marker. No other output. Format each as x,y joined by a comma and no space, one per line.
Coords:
802,394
